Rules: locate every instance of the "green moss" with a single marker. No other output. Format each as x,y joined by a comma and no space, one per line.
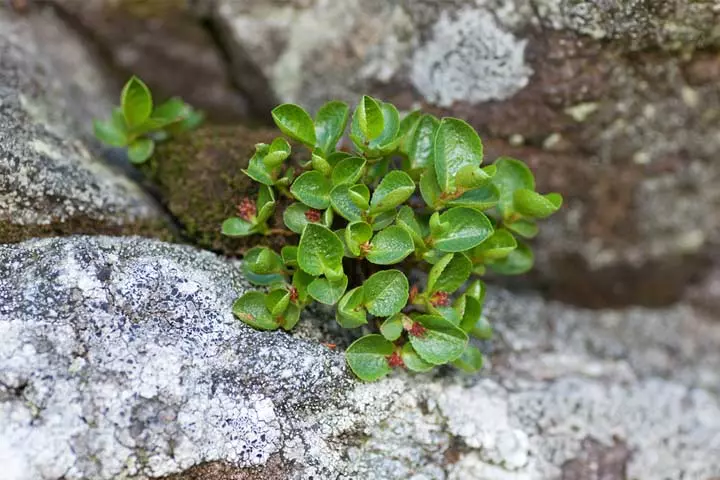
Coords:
200,180
84,225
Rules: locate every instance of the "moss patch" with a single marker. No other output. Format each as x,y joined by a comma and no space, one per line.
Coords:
84,225
200,180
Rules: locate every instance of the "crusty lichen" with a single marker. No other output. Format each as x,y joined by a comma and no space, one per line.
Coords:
199,177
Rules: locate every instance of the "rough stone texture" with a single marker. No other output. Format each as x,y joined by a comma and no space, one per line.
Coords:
50,90
615,104
163,43
120,359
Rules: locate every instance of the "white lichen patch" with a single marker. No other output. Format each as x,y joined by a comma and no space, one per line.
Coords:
469,58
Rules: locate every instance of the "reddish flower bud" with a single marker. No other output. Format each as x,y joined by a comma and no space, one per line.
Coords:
247,209
440,299
395,360
417,330
365,248
313,215
293,294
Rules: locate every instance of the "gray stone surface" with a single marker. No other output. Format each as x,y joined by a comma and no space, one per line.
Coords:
50,91
615,104
120,359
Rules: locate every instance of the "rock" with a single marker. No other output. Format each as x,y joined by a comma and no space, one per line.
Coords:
121,359
200,180
615,104
50,184
165,45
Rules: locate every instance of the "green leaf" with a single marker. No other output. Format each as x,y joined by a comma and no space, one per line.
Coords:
320,164
295,122
237,227
312,189
320,251
393,190
350,311
472,176
383,220
296,215
171,111
390,246
341,200
482,329
440,342
367,357
136,102
412,360
449,274
481,198
258,171
518,262
348,170
471,313
328,291
456,145
370,117
141,150
524,228
360,196
532,204
277,301
336,157
500,244
291,317
386,142
330,123
407,220
263,261
110,133
476,290
386,293
392,327
467,228
356,234
406,130
470,361
429,188
420,145
251,309
279,151
301,281
511,175
289,255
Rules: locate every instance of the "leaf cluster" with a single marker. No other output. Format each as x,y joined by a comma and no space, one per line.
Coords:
138,124
410,193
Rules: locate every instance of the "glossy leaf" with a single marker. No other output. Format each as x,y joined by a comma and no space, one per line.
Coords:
518,262
263,261
466,229
110,133
348,171
500,244
420,144
291,317
251,309
407,127
301,281
277,301
360,196
136,102
342,201
481,198
312,189
386,293
394,189
456,145
449,274
390,246
383,220
471,314
367,357
328,291
320,251
472,176
296,216
470,361
524,228
237,227
350,311
440,342
330,123
289,255
277,153
141,150
258,171
171,111
412,360
532,204
386,141
392,327
511,175
319,163
356,234
407,220
429,188
295,122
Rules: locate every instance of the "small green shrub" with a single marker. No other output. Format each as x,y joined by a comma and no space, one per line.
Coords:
358,212
137,124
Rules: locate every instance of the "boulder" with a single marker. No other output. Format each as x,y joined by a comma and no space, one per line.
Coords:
50,91
614,104
121,359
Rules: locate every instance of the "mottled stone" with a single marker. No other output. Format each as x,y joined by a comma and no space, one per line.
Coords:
121,359
50,90
615,104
